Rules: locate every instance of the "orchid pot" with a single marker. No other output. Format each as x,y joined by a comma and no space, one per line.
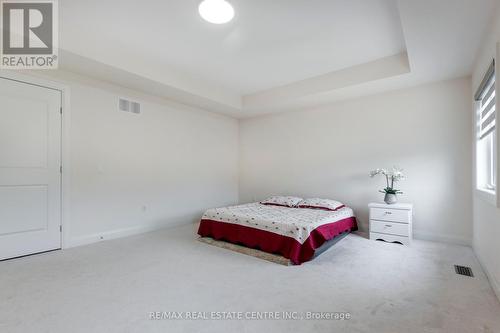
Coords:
390,198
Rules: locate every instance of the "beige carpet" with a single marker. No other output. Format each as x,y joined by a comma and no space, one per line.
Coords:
277,259
112,286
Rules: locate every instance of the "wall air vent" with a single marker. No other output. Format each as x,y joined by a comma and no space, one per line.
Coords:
135,107
128,106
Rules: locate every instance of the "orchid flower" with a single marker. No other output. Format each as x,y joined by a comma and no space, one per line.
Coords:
394,175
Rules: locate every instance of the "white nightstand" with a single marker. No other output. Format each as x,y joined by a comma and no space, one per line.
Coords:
392,223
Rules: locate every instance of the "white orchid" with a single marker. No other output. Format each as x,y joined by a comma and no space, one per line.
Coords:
396,174
375,172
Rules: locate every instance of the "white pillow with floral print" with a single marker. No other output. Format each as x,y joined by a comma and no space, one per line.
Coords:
318,203
282,201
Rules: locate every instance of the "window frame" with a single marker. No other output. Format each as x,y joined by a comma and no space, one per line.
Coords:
488,195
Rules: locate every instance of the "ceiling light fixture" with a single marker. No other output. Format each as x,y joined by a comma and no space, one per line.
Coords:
216,11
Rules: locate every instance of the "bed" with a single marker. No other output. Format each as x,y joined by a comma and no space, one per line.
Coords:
292,232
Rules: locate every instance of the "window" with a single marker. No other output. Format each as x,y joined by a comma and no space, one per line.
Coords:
486,157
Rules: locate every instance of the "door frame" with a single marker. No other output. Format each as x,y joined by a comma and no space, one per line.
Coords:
38,79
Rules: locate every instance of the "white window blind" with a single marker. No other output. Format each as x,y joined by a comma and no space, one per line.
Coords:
485,95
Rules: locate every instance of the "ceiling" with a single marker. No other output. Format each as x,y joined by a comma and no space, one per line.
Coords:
275,55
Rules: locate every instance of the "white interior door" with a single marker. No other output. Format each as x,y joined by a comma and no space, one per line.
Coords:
30,177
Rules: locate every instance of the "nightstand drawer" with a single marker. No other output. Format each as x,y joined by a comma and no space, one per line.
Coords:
395,215
391,228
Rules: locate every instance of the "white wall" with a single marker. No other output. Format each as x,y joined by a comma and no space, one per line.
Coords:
133,173
486,223
329,152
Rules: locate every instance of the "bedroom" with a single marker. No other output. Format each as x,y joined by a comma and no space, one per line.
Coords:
154,116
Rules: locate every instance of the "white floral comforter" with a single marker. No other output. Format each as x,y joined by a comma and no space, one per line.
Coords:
297,223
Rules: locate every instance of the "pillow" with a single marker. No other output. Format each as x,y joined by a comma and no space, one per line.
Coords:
282,201
318,203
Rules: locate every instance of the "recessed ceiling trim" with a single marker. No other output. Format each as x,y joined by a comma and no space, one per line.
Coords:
375,70
91,68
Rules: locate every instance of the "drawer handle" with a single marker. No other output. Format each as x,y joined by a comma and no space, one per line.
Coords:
388,213
388,226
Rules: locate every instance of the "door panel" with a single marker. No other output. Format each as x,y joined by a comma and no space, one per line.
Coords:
14,200
23,133
30,159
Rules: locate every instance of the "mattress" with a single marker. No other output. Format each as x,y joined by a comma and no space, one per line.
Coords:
294,233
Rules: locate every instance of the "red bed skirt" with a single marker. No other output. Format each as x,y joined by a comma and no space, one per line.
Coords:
274,243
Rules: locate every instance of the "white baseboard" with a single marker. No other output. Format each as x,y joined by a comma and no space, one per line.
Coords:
442,238
427,236
119,233
495,285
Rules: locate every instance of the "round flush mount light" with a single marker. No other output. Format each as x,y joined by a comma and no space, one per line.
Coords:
216,11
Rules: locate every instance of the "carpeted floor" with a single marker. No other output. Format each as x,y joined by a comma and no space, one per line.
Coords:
113,286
